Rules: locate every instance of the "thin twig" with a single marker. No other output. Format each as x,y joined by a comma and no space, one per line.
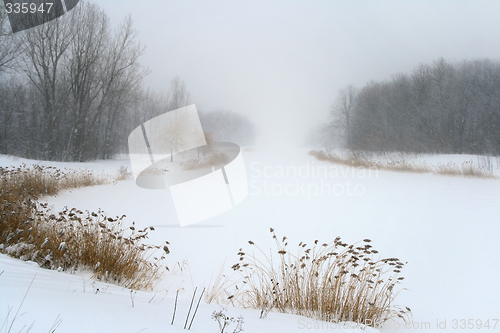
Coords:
175,307
132,296
196,310
192,299
19,308
56,324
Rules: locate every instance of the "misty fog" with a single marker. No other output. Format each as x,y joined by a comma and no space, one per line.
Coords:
281,63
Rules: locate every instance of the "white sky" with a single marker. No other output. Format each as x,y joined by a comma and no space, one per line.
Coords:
282,62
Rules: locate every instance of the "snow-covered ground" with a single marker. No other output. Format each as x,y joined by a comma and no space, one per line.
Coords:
446,228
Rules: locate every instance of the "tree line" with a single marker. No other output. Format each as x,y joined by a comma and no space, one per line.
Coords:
442,107
72,89
227,126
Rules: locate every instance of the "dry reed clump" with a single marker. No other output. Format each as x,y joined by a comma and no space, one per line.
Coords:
47,180
218,290
123,173
359,160
466,169
82,178
332,282
70,239
207,161
207,156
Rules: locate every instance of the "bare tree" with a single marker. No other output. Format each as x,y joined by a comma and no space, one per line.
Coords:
85,78
42,61
178,96
444,107
9,44
341,112
90,37
228,126
175,129
152,104
175,133
122,79
106,74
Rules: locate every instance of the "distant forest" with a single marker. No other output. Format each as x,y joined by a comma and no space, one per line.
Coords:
72,90
443,107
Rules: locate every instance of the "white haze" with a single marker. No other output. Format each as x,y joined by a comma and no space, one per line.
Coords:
282,62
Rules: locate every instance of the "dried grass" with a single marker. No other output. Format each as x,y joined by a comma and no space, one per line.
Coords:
466,169
359,160
47,180
207,161
123,174
9,323
217,291
70,239
332,282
